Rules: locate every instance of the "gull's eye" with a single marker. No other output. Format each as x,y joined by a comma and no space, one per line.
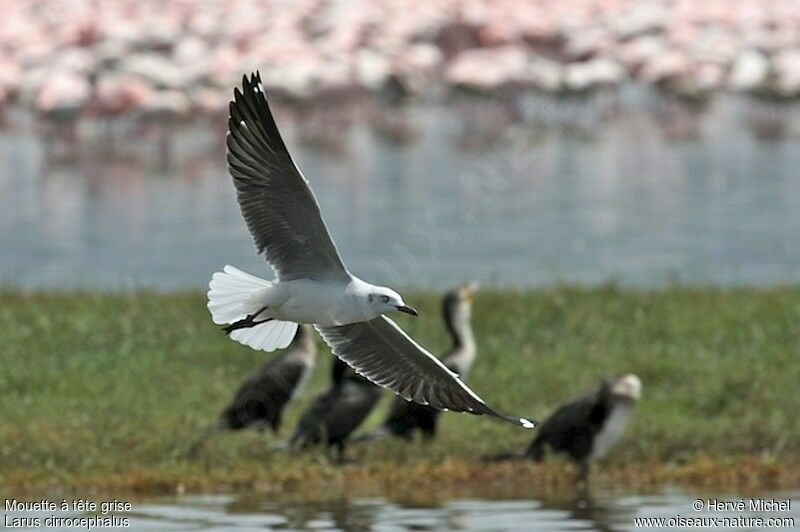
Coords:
385,299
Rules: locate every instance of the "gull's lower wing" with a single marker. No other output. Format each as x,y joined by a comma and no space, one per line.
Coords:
380,351
275,199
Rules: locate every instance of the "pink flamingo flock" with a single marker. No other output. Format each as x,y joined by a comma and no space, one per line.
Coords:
70,57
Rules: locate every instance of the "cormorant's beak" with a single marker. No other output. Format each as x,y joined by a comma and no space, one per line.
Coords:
408,310
469,290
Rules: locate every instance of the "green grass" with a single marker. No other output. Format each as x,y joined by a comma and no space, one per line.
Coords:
94,387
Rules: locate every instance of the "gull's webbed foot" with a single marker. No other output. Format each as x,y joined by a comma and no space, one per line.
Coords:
247,321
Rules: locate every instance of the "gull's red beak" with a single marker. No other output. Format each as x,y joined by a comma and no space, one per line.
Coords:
408,310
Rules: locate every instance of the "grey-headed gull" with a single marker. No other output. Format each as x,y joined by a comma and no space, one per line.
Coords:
311,283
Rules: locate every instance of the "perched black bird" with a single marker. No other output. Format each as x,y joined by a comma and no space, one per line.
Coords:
586,428
335,414
260,400
406,417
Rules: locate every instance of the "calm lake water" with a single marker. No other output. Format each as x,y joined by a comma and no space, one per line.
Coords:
607,512
567,193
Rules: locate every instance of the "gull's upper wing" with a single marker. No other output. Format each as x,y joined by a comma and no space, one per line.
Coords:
280,210
380,351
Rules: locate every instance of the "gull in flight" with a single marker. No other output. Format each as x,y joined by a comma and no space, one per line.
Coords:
311,283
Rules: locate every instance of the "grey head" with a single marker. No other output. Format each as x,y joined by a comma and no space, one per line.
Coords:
384,300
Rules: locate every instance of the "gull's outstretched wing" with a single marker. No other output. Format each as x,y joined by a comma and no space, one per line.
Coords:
380,351
276,201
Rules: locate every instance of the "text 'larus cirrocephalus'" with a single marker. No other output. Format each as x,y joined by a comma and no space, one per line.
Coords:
311,283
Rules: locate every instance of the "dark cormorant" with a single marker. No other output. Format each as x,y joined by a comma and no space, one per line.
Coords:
336,413
260,400
406,417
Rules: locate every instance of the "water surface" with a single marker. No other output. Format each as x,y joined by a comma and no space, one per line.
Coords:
630,197
608,511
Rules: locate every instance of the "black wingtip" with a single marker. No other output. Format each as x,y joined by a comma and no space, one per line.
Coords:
525,423
251,106
252,82
249,92
519,421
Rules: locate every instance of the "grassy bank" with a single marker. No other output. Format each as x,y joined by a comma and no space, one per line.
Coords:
108,390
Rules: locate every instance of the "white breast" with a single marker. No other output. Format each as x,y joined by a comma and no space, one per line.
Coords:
612,430
320,302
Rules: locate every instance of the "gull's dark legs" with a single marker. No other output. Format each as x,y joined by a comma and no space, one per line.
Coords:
247,321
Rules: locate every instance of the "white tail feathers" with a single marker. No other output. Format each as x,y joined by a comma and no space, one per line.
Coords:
232,295
268,336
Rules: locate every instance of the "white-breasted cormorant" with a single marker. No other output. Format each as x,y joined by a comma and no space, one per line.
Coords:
586,428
